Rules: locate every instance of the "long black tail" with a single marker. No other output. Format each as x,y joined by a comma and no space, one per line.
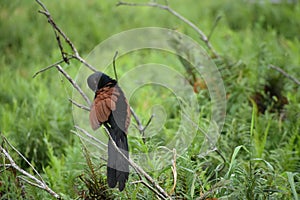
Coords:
117,165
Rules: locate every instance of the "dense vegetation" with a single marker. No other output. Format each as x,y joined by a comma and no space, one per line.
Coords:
260,140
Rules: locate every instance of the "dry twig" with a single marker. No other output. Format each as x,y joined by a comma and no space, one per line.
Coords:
90,136
75,85
30,179
140,127
160,191
59,33
285,74
79,105
166,7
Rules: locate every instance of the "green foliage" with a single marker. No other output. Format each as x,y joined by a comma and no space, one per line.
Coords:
261,150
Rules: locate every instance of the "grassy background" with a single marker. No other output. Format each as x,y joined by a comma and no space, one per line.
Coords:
261,150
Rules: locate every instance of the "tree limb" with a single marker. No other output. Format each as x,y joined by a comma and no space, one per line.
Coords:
40,183
162,193
75,85
166,7
285,74
58,32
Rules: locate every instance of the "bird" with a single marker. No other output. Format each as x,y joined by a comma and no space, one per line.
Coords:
110,108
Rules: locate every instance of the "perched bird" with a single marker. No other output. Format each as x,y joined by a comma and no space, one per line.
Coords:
110,108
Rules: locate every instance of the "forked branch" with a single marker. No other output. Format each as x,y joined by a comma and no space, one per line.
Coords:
58,34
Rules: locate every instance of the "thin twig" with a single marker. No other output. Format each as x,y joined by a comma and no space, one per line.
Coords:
74,84
46,68
6,165
82,138
285,74
59,31
23,157
138,121
223,158
55,27
147,185
37,183
145,127
79,105
162,193
214,27
174,170
114,65
139,125
148,123
90,136
203,37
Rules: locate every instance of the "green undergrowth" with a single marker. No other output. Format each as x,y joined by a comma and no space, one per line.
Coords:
258,153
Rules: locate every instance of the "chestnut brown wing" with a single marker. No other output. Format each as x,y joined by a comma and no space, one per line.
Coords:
104,103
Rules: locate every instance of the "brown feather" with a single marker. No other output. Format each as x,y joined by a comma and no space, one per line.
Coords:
93,118
104,103
127,122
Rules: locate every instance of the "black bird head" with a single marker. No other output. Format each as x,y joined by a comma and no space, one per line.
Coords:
98,80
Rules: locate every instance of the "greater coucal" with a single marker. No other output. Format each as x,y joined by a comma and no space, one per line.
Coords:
111,108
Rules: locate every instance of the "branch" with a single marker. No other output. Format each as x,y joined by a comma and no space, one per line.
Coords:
23,157
148,186
285,74
79,105
213,28
203,37
162,193
46,68
90,136
59,33
223,158
74,84
114,65
35,181
139,125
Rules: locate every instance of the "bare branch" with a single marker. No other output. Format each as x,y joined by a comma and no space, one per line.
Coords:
55,27
79,105
148,186
138,121
114,65
74,84
140,126
59,32
23,157
285,74
213,28
46,68
203,37
148,123
223,158
90,136
162,193
35,181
